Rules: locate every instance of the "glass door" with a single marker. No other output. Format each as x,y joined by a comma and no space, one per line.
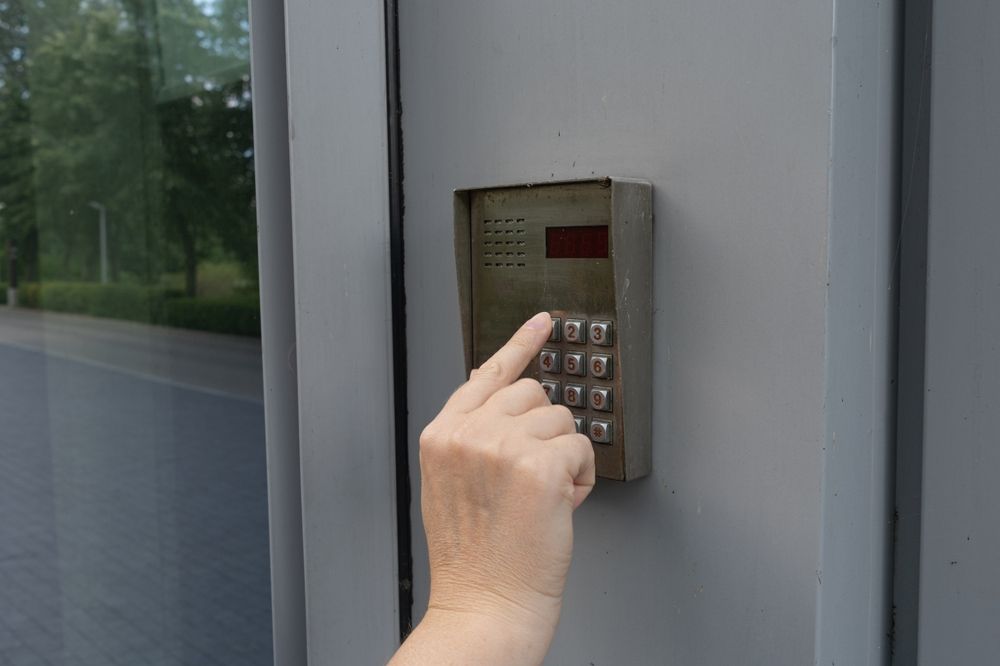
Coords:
133,490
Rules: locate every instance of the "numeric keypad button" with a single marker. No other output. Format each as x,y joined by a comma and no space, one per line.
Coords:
600,431
552,390
600,398
600,366
576,364
548,360
600,333
556,334
576,395
575,331
581,424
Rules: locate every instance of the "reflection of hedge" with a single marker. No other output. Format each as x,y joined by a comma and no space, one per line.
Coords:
231,314
3,293
234,314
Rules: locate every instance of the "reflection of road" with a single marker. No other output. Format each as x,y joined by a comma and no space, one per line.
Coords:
218,363
133,506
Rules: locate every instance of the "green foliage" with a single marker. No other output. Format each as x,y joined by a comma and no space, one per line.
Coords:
29,295
239,315
3,293
235,314
131,302
222,278
140,108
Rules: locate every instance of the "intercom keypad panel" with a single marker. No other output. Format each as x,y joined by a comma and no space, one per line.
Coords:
582,252
576,369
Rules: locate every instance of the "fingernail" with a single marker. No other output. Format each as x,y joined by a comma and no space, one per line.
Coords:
538,322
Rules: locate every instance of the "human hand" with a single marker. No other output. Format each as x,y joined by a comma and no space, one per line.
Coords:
502,471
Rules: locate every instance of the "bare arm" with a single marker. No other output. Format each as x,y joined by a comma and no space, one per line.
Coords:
502,470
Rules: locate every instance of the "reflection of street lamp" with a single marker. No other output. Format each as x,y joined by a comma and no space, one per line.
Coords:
103,214
11,267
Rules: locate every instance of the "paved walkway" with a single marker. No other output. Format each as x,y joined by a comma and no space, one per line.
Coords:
226,364
133,509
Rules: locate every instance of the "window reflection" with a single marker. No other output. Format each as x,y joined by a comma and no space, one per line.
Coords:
133,517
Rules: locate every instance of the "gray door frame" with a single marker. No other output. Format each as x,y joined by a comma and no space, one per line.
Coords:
321,142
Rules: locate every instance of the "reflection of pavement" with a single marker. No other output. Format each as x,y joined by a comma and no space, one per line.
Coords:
216,363
133,508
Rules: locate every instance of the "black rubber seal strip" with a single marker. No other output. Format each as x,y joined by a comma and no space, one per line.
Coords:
404,541
911,325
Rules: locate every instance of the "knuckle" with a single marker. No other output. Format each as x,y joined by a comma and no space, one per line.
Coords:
530,469
564,413
432,436
527,383
429,433
532,391
489,370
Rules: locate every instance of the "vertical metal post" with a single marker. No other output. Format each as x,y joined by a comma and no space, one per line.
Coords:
11,273
102,213
278,337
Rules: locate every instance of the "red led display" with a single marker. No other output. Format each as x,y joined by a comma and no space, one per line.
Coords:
589,242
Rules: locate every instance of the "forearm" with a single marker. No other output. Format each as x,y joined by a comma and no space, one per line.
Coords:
454,637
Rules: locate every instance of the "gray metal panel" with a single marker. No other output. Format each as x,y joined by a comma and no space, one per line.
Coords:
277,306
340,213
855,570
504,293
632,208
725,107
959,615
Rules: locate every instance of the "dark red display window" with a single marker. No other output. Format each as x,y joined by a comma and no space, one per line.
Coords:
590,242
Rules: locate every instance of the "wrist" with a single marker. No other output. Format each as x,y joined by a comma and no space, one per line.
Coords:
491,634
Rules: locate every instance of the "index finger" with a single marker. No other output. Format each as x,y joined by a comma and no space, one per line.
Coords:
503,367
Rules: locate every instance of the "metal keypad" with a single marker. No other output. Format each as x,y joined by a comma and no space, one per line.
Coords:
600,333
567,355
600,398
600,431
600,366
552,390
549,360
576,364
575,331
576,395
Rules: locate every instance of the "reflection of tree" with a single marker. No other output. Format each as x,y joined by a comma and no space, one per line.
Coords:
86,115
89,121
208,181
17,215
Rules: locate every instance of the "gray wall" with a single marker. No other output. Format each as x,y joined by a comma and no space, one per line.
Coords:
760,536
959,619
